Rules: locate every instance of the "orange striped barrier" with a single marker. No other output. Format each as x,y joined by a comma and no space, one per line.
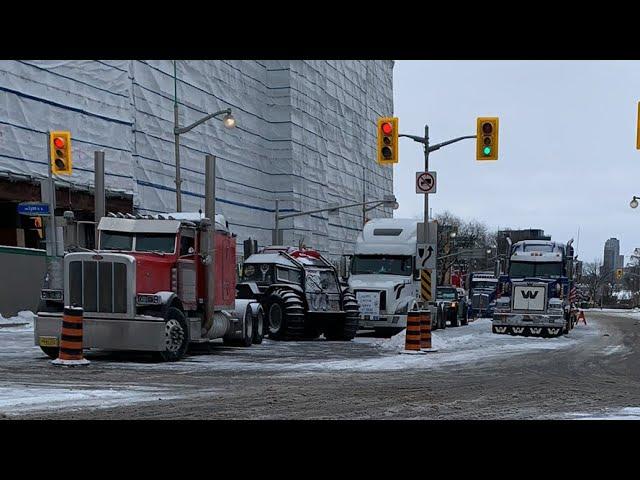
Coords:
412,341
425,330
71,338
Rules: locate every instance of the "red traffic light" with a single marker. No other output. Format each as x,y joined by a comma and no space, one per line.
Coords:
58,142
487,128
387,128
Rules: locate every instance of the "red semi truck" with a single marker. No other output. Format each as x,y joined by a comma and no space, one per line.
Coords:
150,286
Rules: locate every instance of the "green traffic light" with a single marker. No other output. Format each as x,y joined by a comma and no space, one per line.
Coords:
487,151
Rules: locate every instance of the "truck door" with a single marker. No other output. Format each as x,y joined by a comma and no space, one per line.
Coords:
186,266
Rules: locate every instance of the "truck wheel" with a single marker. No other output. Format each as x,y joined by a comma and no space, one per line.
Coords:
345,329
454,319
443,318
258,327
176,333
285,315
51,352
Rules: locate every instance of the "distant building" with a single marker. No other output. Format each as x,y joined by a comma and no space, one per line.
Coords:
620,263
611,256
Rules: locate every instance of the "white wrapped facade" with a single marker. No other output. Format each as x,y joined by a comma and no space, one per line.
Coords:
305,133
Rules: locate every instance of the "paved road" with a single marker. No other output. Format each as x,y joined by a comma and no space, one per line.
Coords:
595,371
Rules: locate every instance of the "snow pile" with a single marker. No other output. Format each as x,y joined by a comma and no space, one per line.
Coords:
24,317
623,295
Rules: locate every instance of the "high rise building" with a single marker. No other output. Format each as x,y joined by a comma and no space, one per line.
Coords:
611,255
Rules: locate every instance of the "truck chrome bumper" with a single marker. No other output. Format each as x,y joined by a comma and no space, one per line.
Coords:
143,333
522,320
393,321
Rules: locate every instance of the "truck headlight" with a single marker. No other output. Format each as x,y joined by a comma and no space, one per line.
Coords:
146,299
55,295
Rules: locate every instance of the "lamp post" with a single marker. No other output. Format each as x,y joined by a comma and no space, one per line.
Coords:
228,121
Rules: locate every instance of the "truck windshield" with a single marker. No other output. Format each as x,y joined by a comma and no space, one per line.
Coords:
155,242
442,294
116,241
144,242
483,284
526,269
378,264
321,281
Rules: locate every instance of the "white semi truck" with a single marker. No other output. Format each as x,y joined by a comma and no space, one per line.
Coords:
383,275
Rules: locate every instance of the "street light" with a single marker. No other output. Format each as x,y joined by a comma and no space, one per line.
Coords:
634,202
228,121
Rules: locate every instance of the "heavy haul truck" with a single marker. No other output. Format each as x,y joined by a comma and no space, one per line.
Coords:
534,294
155,284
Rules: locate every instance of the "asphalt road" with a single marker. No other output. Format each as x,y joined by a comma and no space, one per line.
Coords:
593,372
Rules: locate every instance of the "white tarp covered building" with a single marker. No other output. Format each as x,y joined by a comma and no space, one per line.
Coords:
305,135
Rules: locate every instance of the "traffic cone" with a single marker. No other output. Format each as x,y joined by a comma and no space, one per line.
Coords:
412,340
425,331
71,338
582,317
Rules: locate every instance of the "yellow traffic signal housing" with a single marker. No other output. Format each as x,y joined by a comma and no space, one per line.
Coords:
619,273
638,129
60,152
388,140
487,138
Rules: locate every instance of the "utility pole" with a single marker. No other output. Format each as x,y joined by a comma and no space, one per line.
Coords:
176,123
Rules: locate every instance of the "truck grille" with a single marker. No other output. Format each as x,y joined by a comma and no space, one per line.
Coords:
479,301
98,286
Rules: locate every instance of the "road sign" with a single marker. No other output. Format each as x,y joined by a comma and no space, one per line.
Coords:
426,256
33,209
425,182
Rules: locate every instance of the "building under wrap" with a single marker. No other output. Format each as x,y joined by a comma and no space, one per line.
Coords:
305,135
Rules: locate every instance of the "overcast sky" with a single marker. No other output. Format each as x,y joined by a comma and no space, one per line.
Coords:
567,155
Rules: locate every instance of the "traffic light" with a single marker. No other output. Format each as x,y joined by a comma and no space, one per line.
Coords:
619,273
638,129
60,152
487,138
388,140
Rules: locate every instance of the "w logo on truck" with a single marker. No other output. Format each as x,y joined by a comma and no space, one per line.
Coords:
529,294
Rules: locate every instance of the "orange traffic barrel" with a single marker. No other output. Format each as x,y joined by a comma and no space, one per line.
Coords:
70,353
412,341
425,329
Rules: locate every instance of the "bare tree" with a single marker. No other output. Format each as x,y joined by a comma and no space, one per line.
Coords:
595,277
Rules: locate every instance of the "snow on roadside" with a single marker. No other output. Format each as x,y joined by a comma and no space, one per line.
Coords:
627,413
17,400
24,318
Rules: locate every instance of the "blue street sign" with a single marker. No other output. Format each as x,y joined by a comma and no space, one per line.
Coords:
33,209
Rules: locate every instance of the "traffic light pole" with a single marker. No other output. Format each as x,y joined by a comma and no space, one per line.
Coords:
52,202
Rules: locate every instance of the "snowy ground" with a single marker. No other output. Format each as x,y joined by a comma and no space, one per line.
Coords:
367,378
24,318
628,413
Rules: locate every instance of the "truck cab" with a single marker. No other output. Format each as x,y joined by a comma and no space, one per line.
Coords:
533,296
153,284
383,274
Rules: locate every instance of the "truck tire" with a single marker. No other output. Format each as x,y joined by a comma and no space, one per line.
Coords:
176,336
344,329
442,318
51,352
258,327
387,332
454,318
285,315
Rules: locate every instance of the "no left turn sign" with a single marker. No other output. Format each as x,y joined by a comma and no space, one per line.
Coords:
425,182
